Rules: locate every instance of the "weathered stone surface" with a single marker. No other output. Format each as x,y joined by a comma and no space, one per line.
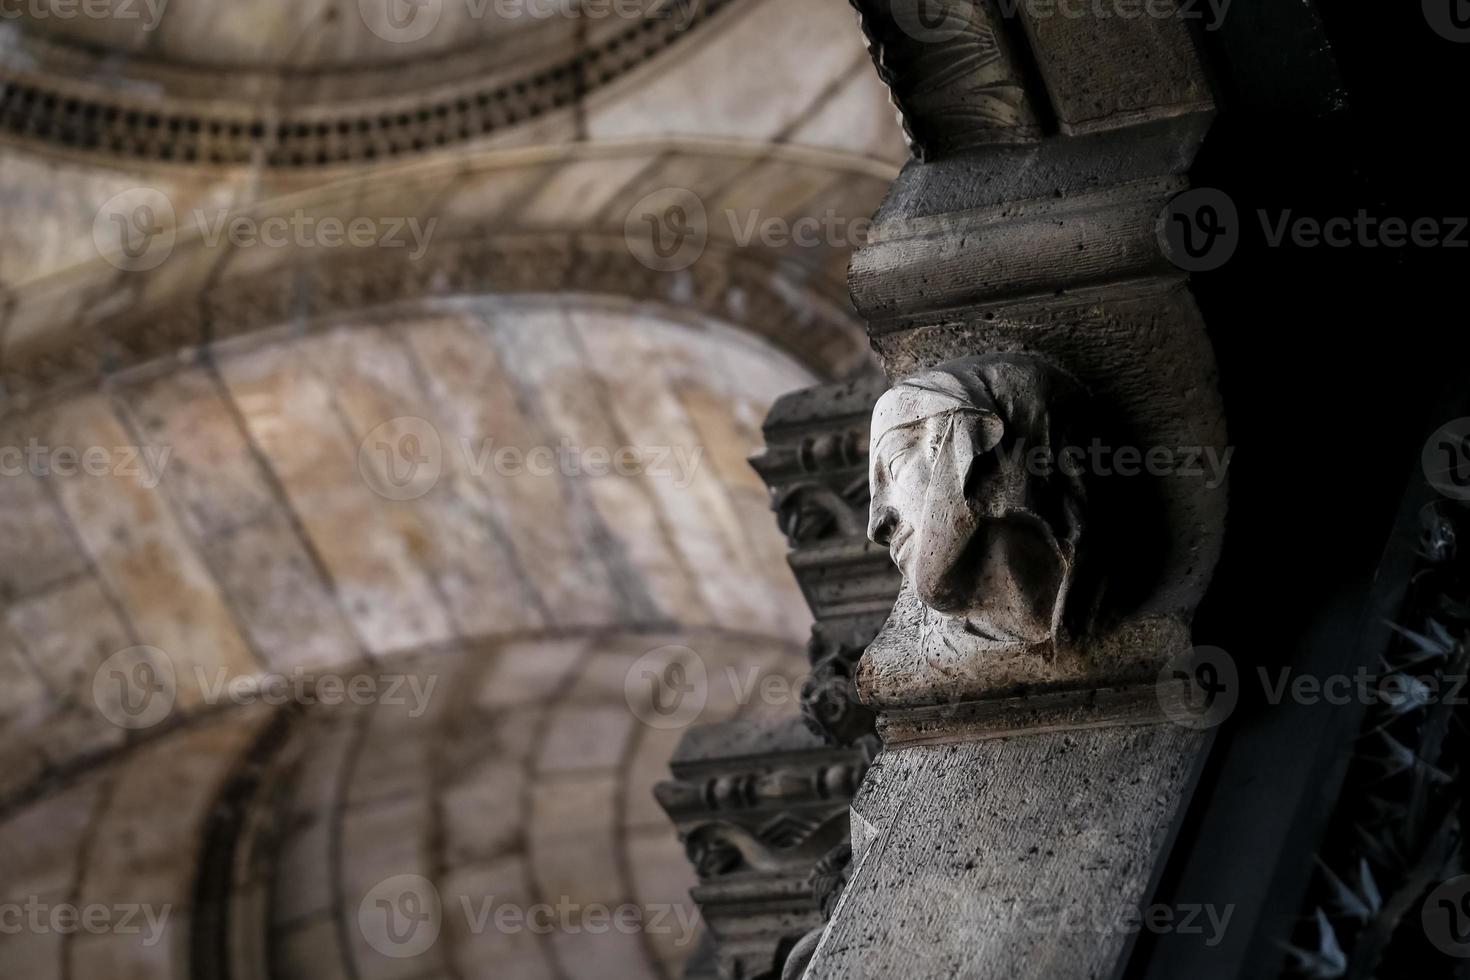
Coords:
1007,858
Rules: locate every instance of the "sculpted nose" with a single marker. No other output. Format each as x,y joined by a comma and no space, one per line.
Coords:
882,519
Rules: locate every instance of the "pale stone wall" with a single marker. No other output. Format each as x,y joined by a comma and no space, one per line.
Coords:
263,543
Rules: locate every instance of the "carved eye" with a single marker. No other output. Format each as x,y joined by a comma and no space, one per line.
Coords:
894,461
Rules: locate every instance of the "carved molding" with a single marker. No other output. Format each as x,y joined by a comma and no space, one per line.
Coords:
953,77
78,115
758,807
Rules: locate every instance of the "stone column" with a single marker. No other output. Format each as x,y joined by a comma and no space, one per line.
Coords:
1038,472
762,806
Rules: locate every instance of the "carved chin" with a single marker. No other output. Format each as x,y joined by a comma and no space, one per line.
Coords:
951,593
1005,583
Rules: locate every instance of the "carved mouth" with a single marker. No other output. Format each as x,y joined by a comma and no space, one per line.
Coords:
896,546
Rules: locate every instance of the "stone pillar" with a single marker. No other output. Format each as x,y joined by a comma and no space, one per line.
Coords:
1037,474
762,807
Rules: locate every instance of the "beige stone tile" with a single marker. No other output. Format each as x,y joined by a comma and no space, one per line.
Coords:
481,811
584,955
649,766
329,737
211,472
727,447
311,949
585,737
36,548
578,870
528,670
860,117
304,884
381,841
40,845
477,403
662,878
375,549
74,731
374,382
578,190
702,520
34,955
22,763
24,699
506,734
544,351
147,839
67,632
145,558
574,805
395,759
278,593
488,934
135,956
758,98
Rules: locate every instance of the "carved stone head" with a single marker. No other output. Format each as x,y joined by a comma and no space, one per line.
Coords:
969,499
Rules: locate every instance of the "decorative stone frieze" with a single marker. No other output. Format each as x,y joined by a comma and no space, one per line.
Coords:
759,808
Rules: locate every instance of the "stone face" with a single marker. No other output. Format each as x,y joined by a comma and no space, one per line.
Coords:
989,546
